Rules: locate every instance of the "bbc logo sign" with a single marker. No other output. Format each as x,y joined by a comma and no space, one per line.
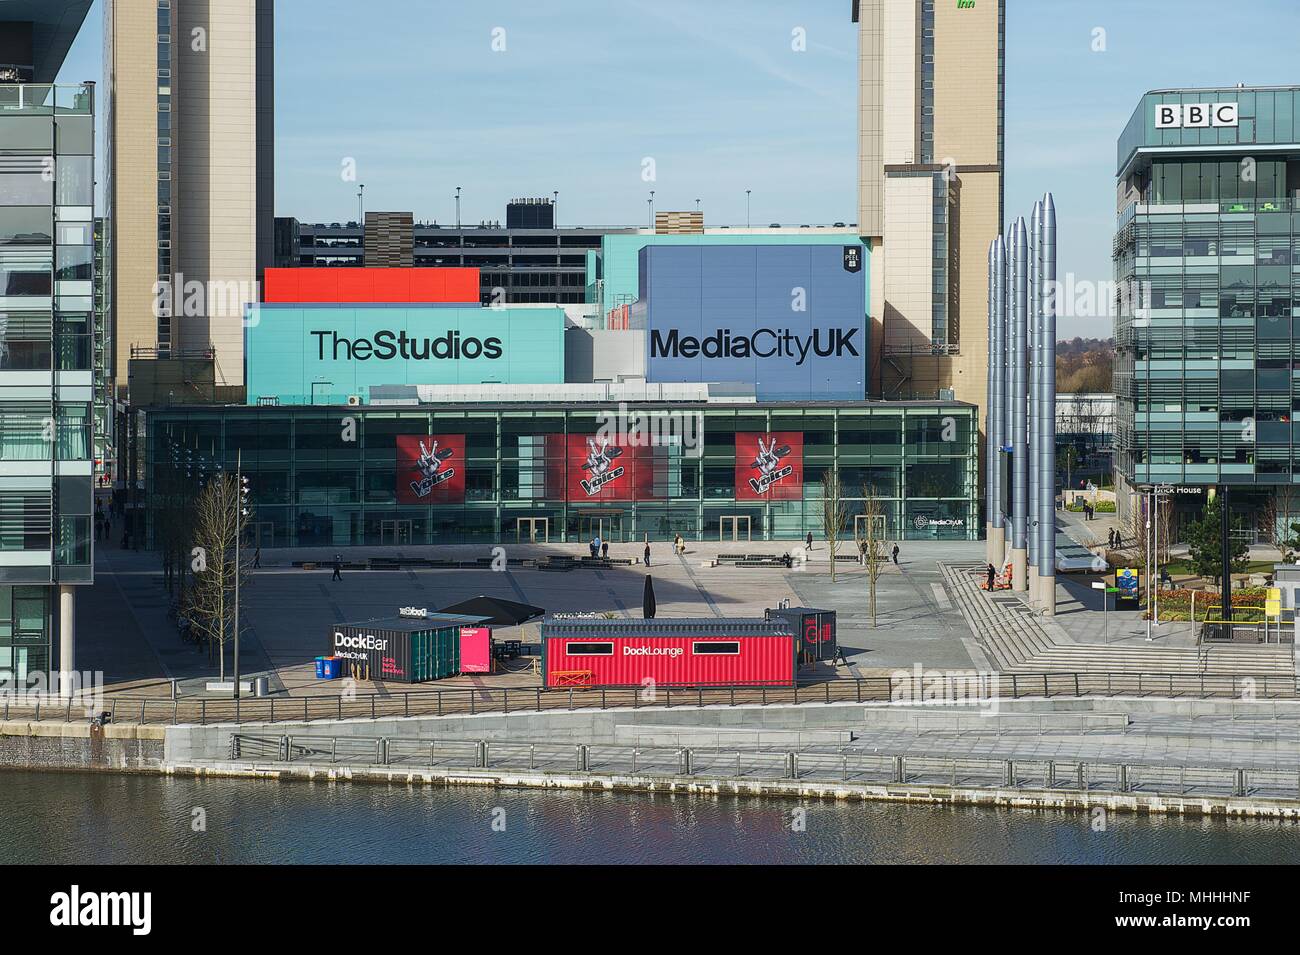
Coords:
1195,115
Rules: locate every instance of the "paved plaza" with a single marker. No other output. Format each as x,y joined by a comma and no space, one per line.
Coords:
929,611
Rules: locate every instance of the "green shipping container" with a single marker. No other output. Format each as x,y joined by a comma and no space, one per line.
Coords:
402,649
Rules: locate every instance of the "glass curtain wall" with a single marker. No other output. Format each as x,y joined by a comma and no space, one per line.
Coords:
318,482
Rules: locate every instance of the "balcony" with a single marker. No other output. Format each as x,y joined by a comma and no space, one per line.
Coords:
46,99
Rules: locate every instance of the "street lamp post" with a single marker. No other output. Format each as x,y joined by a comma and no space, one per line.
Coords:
1149,560
747,220
239,517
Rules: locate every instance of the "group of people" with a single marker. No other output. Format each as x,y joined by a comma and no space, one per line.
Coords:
103,522
1114,539
600,548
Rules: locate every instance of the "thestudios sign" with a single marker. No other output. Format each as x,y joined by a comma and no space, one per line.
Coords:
386,345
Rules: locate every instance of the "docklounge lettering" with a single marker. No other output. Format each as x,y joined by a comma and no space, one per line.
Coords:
652,652
388,344
764,343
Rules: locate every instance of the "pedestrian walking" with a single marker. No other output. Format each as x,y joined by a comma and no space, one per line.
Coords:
808,542
108,526
992,576
604,549
894,553
257,558
338,568
647,551
592,549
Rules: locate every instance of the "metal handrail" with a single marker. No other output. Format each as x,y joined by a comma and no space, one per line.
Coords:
844,764
440,702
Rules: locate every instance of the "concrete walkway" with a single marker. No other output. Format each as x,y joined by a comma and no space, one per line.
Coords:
1016,638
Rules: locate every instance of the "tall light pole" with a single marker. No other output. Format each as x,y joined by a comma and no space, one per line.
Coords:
458,207
650,203
241,509
555,208
361,206
1150,496
747,191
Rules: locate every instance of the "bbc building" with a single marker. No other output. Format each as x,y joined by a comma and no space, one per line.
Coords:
1207,264
715,410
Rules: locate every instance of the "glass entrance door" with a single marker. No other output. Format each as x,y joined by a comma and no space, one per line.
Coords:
608,527
532,530
733,527
860,526
395,532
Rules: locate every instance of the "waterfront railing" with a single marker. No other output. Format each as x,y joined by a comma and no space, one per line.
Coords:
847,764
431,701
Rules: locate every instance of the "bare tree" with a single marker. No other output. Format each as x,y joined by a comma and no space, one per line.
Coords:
869,534
834,513
219,522
1136,542
1281,523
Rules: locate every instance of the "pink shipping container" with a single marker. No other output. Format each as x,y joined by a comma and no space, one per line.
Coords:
671,652
475,650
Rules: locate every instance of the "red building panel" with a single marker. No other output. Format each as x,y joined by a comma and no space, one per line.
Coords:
768,660
370,286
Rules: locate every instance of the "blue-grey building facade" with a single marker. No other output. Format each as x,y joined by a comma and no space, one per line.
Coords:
1207,269
791,319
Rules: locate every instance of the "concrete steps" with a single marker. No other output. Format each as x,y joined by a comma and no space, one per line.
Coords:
1016,641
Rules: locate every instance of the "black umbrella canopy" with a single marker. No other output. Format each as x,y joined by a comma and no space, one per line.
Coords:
498,611
648,599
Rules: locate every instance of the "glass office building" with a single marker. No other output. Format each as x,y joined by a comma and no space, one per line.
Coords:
46,386
1207,268
528,472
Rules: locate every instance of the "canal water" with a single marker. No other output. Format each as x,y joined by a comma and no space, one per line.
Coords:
112,818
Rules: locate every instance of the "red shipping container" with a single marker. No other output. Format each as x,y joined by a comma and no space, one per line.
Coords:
367,286
670,652
475,650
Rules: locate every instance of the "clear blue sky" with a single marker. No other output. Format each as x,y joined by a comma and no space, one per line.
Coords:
585,90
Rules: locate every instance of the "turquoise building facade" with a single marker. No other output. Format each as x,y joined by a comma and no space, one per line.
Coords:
327,354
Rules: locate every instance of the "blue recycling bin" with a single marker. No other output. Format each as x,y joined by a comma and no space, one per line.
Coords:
327,668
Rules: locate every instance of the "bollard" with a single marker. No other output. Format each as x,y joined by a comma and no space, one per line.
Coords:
899,770
1241,782
383,751
1011,773
791,766
1051,774
1083,779
284,748
480,755
687,768
582,758
1123,777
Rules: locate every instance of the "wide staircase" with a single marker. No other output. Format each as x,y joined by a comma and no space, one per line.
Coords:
1016,640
